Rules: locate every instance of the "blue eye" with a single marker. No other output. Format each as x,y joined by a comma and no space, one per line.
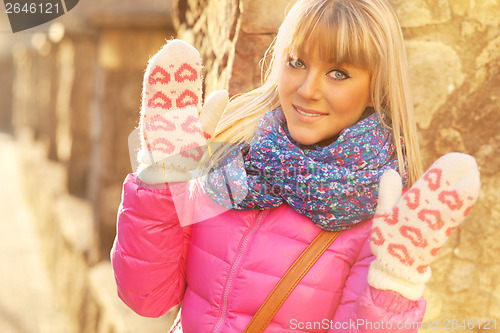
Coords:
295,63
339,74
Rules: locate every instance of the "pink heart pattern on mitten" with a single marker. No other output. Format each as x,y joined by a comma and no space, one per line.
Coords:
171,105
408,231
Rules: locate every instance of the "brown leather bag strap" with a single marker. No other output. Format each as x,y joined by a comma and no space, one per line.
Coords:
290,280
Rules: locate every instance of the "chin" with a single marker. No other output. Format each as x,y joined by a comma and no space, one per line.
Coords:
305,140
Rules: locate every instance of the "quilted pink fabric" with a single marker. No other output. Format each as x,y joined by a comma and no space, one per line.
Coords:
223,268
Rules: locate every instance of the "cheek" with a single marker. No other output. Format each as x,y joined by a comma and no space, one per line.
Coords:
343,100
365,91
289,82
354,98
283,85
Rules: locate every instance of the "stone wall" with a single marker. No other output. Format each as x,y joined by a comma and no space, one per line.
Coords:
5,93
76,93
454,53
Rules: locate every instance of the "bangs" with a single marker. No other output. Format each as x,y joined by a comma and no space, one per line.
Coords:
337,32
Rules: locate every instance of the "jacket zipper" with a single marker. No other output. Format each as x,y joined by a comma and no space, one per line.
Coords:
232,273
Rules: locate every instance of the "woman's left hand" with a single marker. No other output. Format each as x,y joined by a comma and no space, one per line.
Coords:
409,230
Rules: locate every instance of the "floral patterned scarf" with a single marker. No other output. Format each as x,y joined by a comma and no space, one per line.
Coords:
336,186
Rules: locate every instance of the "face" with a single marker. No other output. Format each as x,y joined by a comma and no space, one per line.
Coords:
320,98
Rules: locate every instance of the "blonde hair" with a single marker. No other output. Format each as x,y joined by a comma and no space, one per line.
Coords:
364,33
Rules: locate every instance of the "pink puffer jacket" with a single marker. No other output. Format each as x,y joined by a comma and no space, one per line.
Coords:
223,268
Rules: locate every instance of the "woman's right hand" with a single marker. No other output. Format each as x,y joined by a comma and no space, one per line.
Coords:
174,128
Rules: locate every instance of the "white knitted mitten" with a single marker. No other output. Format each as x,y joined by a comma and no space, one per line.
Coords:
408,231
174,129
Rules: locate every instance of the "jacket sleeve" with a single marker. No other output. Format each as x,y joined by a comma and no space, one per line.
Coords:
149,251
364,309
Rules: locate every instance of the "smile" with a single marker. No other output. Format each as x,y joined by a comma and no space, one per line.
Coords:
308,115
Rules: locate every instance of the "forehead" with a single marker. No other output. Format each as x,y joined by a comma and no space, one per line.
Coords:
311,54
335,34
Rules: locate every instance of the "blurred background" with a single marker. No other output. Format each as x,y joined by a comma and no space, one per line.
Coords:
70,95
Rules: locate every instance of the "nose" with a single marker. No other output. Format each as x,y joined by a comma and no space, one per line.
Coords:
310,87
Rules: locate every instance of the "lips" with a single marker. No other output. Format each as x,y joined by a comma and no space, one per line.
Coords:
308,115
